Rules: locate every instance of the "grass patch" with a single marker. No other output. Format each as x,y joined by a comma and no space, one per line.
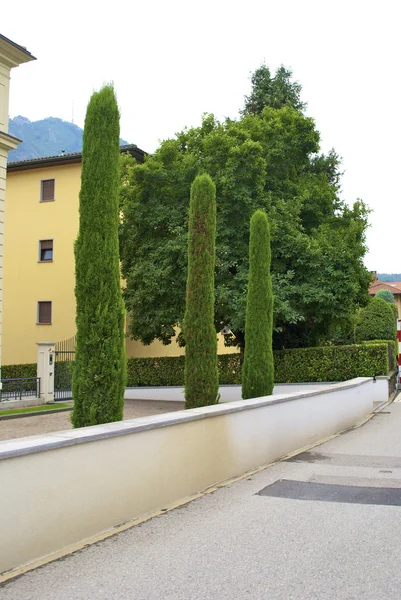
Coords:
29,409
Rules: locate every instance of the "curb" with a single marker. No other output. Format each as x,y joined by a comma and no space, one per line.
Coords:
34,414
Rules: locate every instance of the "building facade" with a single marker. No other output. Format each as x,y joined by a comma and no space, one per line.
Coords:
39,270
11,55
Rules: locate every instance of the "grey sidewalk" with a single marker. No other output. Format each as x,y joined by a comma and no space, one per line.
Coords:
237,544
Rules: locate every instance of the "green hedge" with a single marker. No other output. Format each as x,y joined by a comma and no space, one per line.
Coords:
326,363
331,363
17,371
392,351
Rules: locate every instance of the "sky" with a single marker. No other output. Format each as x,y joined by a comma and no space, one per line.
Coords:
173,61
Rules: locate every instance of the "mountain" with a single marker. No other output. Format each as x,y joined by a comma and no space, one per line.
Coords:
47,137
389,277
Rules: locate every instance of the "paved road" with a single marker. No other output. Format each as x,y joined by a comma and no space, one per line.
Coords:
236,544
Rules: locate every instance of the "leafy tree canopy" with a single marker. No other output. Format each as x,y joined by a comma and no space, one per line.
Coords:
269,161
277,91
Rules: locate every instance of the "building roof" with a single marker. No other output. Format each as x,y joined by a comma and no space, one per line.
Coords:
20,53
72,158
392,286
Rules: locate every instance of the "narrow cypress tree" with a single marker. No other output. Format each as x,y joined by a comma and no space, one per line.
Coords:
201,374
100,365
258,367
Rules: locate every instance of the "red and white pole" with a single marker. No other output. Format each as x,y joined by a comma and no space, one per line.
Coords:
399,353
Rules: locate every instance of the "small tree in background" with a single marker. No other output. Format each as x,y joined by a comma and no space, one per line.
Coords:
375,322
100,365
258,367
201,374
385,295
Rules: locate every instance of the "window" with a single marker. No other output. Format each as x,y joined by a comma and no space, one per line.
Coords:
47,190
45,250
44,313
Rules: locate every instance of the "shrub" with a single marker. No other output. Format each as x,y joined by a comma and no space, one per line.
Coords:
329,363
201,374
258,367
375,322
100,366
392,351
385,295
18,371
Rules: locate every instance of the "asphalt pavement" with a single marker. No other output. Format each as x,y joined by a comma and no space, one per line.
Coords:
325,524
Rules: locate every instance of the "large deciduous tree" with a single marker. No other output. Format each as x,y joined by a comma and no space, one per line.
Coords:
100,370
268,159
201,374
258,367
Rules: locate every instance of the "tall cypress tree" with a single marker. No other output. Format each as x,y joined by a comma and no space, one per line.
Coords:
201,374
100,365
258,367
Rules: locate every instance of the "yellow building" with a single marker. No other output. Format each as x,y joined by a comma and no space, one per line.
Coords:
11,55
42,225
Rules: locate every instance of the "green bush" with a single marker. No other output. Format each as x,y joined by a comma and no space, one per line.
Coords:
331,363
328,363
17,371
375,322
395,310
167,370
392,351
385,295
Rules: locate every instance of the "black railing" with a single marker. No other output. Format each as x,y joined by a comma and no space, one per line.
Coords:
64,365
17,389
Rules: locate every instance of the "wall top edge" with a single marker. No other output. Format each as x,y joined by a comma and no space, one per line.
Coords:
60,439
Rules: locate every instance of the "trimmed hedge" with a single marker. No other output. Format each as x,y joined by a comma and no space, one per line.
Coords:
331,363
326,363
392,351
18,371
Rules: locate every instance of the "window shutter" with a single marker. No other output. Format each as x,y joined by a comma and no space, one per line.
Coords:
47,190
45,313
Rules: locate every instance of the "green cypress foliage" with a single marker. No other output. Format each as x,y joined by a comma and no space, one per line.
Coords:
100,366
258,367
201,374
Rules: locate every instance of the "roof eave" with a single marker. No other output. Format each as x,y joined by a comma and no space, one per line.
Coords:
52,161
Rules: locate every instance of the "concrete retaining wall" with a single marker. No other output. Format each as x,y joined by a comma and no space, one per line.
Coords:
61,488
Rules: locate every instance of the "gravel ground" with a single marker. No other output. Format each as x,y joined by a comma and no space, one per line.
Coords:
24,426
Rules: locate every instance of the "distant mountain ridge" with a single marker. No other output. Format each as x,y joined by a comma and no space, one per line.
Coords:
47,137
388,277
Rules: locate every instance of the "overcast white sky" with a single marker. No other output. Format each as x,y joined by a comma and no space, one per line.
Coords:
172,61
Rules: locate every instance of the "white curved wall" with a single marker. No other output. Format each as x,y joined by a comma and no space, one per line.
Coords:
62,488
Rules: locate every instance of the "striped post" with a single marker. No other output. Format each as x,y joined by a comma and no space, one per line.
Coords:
399,353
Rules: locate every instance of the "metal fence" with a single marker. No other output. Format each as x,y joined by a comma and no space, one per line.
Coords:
64,365
19,388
